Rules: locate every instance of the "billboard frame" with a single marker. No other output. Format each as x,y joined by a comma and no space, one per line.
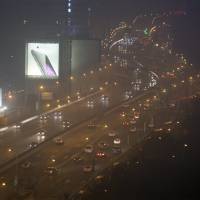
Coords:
26,59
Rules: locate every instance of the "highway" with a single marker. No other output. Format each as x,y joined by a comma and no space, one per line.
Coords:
70,176
68,154
28,131
60,156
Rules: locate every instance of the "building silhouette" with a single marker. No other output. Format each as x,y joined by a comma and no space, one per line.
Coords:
78,18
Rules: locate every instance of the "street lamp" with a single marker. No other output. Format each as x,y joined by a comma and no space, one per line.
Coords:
41,87
84,74
164,91
3,184
105,126
10,96
71,78
48,105
100,88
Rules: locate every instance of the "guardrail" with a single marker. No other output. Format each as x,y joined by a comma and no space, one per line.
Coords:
19,158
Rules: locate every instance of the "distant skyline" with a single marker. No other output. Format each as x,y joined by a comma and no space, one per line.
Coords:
106,13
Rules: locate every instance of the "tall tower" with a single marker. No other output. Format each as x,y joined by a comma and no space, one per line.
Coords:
68,9
78,14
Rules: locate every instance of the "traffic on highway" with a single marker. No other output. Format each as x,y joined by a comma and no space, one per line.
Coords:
134,95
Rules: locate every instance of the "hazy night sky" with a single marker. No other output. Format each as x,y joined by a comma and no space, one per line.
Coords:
106,13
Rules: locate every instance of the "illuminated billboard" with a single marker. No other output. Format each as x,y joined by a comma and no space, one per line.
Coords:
42,60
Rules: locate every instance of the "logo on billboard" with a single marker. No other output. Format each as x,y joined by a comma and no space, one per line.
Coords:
42,60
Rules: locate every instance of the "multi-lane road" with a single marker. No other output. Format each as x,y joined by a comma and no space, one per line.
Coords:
65,153
69,161
70,172
15,140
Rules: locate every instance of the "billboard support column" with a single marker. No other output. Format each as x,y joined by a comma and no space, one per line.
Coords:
65,65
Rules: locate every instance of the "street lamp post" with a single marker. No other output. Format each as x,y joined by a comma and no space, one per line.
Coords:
128,139
93,161
41,89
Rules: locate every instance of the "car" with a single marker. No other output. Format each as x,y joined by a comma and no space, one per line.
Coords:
57,115
172,105
103,145
41,135
81,192
43,117
125,105
168,122
158,130
115,164
58,140
63,124
26,165
133,130
99,178
117,141
112,133
52,158
125,123
123,114
127,95
132,122
90,104
42,132
17,126
137,116
92,125
146,108
100,154
116,150
3,182
66,124
104,98
88,149
151,125
51,170
87,168
128,92
32,145
146,105
77,158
